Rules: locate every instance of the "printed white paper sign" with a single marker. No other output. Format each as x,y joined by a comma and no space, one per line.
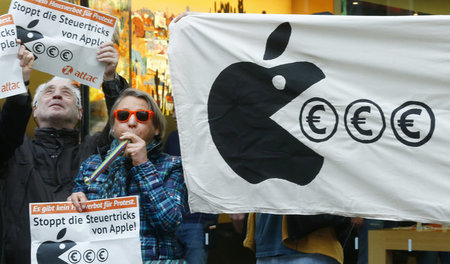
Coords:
64,37
11,81
106,232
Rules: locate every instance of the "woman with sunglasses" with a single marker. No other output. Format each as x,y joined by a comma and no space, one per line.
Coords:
142,170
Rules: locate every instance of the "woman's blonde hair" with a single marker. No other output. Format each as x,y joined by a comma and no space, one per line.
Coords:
158,119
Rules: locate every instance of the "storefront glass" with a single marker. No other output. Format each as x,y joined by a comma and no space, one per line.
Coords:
144,35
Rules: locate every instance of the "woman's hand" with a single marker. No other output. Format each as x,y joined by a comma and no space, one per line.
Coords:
136,148
78,200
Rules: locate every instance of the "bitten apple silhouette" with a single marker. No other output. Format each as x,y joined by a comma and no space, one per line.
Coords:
49,251
26,35
240,103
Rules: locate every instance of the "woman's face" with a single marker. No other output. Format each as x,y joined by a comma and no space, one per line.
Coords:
146,131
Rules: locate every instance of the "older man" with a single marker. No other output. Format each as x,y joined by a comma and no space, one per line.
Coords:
43,169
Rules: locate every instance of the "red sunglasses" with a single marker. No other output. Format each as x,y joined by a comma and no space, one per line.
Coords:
142,116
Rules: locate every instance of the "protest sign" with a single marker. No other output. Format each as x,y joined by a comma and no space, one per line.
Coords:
302,114
11,80
64,37
106,232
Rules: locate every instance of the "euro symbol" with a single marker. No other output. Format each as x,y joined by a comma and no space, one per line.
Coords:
102,255
74,256
39,48
308,117
52,51
356,121
66,55
311,119
404,123
89,256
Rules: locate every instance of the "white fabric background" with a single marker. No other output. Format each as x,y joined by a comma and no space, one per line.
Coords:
388,60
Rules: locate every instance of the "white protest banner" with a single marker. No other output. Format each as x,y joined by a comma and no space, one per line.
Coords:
64,37
11,80
301,114
106,232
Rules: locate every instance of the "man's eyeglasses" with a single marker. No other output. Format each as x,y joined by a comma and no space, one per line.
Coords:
142,116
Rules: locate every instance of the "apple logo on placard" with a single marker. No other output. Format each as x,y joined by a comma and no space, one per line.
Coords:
240,103
26,35
49,251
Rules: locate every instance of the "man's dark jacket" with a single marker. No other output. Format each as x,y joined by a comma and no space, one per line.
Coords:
42,169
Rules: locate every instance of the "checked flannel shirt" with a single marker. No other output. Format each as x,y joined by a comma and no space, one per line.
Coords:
159,183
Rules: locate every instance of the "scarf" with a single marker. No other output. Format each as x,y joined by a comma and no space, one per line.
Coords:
118,179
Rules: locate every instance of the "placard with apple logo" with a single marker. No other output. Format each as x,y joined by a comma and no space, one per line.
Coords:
63,36
310,114
11,82
106,232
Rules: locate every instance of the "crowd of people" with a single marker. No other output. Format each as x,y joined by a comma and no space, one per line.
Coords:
45,168
53,165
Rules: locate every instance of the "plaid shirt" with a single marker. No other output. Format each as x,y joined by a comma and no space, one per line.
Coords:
159,183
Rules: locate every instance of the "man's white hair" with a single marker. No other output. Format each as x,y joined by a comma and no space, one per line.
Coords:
43,86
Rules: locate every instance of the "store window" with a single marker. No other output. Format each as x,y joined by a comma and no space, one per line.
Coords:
395,8
143,38
143,35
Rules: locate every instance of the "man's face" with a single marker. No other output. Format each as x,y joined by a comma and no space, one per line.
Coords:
57,106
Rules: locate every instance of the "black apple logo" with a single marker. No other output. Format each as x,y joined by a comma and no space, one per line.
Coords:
49,251
26,35
240,103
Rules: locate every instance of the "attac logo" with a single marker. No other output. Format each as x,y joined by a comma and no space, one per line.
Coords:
9,86
66,70
241,101
49,251
86,76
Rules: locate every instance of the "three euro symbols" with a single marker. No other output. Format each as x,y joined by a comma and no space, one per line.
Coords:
245,95
412,123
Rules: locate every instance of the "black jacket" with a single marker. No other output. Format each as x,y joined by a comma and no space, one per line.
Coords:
302,225
43,170
12,127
